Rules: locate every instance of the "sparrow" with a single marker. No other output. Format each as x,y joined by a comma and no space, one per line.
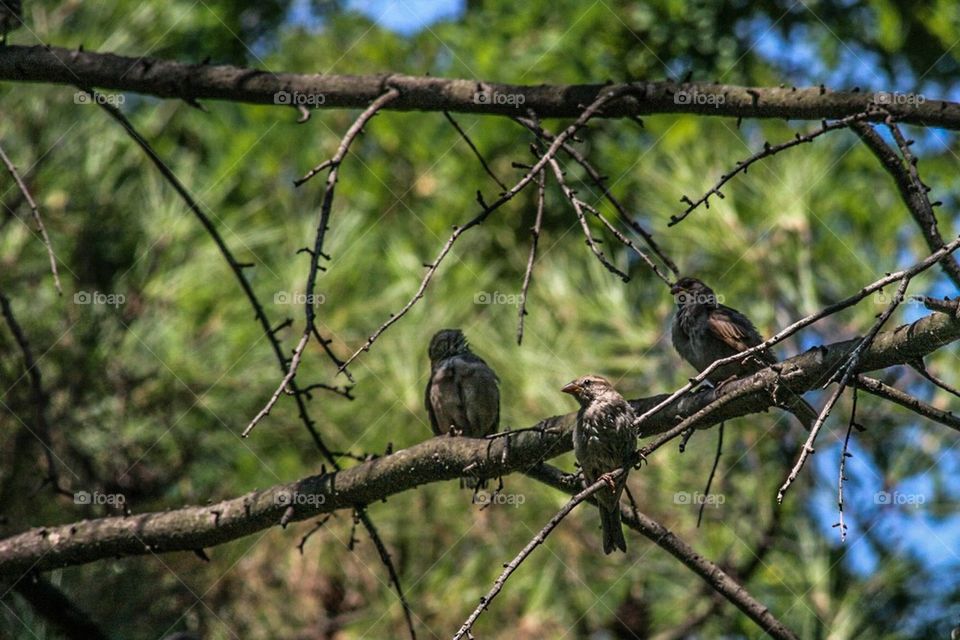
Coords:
463,392
603,441
10,17
705,331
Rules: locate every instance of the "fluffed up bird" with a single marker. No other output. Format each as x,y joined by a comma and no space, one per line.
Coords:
463,393
604,441
705,331
10,17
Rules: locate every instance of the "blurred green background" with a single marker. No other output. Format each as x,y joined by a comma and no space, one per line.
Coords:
147,398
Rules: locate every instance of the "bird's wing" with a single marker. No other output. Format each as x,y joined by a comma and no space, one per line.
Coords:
428,405
479,395
736,331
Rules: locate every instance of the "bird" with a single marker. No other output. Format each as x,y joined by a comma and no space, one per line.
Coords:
463,392
705,331
10,17
604,440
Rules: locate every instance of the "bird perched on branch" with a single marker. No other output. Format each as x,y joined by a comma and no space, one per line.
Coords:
604,441
463,393
705,331
10,17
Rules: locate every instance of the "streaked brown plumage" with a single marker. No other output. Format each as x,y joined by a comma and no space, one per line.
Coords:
705,331
604,441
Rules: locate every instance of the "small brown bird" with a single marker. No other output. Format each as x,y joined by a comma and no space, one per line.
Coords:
463,393
705,331
10,17
604,441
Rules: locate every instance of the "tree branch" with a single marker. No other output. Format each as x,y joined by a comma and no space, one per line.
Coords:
714,575
437,459
192,82
911,188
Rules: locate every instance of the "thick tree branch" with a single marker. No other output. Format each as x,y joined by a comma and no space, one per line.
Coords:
911,188
192,82
438,459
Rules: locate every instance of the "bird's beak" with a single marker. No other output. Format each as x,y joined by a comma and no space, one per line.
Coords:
572,388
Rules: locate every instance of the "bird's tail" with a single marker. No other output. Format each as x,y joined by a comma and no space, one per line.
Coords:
802,410
612,529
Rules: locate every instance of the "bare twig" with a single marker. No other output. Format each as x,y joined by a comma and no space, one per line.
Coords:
35,210
921,368
844,454
578,208
885,391
259,311
767,151
534,238
848,371
598,179
537,540
38,396
316,527
284,385
912,190
326,206
588,113
713,470
711,573
473,147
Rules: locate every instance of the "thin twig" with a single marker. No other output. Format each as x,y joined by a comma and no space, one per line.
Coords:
486,210
38,396
849,369
713,470
534,238
713,574
598,179
284,385
326,206
473,147
259,311
885,391
767,151
538,539
35,210
921,368
316,527
578,209
844,454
